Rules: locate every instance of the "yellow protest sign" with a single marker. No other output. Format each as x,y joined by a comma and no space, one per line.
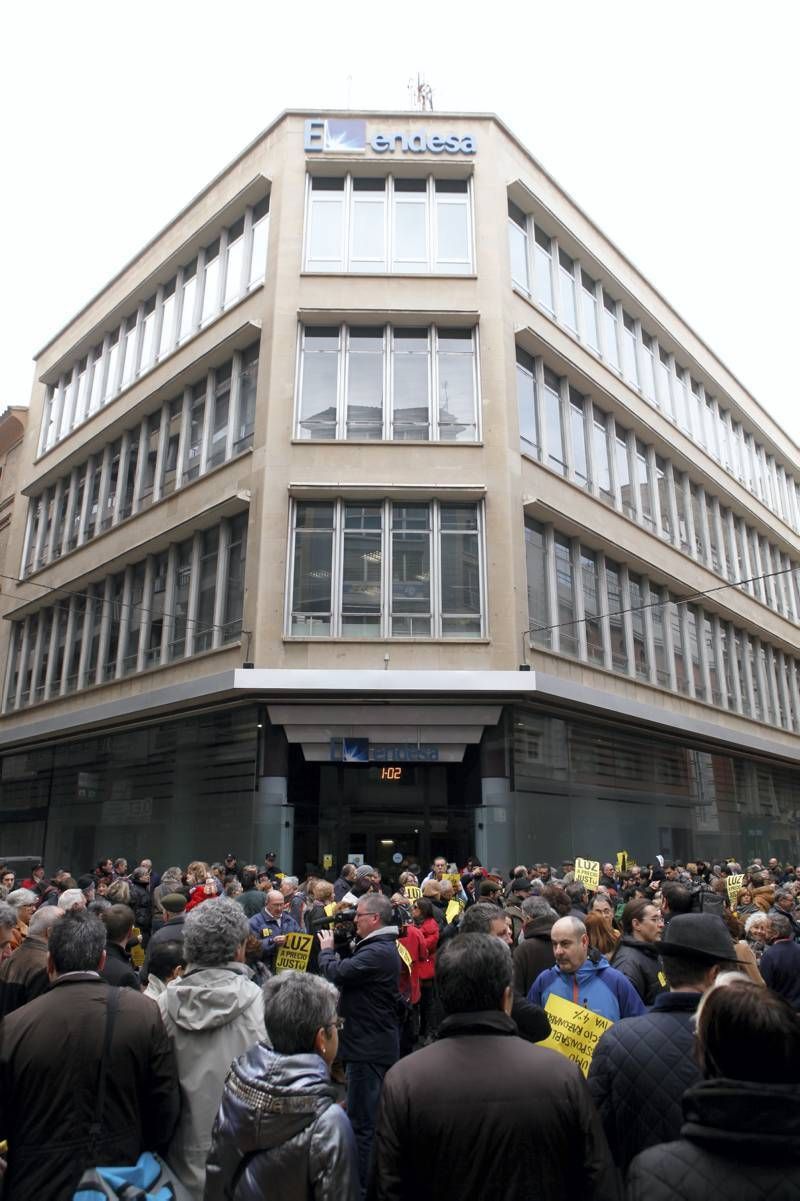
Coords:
295,953
574,1031
622,861
330,909
404,955
455,880
587,871
327,862
735,885
452,911
413,892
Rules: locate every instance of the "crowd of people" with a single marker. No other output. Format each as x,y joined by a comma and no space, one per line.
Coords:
354,1037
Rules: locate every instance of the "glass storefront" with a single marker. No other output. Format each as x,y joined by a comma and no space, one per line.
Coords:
591,789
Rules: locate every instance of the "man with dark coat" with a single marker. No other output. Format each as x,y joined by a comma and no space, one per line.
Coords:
528,1127
118,921
174,904
636,955
780,963
23,976
641,1067
370,1006
345,882
535,953
50,1050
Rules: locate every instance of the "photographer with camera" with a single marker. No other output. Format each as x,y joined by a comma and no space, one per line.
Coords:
370,1005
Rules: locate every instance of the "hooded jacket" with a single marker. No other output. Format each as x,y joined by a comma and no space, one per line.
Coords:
639,1072
370,999
595,986
638,960
739,1139
280,1132
23,975
533,955
213,1014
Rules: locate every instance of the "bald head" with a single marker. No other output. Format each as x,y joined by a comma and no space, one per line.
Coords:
275,903
570,944
43,921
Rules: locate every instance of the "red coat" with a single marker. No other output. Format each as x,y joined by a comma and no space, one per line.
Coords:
429,929
414,942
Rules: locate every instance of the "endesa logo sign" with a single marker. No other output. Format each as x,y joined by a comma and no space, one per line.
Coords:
333,135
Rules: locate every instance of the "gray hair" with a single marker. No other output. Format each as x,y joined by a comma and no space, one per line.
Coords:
71,897
8,916
119,892
291,880
296,1006
782,894
20,897
376,902
538,907
780,926
213,932
44,919
98,905
478,919
77,942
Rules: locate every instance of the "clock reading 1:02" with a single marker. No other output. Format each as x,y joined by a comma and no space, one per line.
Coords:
391,773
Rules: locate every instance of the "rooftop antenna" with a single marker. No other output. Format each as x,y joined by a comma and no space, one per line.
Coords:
421,94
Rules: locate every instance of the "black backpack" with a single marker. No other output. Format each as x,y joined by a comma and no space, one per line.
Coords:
704,900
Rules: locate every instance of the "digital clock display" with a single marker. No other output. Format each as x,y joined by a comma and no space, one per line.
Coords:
391,773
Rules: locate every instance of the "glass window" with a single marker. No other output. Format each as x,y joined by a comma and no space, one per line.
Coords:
624,471
180,605
411,384
258,255
312,569
411,571
698,517
248,379
663,396
167,336
453,252
711,659
368,225
643,483
460,568
109,666
526,404
194,441
662,484
112,366
211,277
170,466
234,259
410,210
554,438
207,589
589,310
146,340
693,626
567,293
630,366
591,606
536,565
640,655
362,570
659,643
365,382
153,423
234,579
543,268
616,619
578,438
600,461
134,616
681,401
518,246
326,224
155,615
610,343
648,368
565,597
713,540
128,351
681,506
94,498
188,293
455,365
218,438
679,651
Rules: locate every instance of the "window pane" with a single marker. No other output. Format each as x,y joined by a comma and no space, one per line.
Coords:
591,605
410,234
204,626
536,565
679,650
657,617
619,653
624,472
542,270
456,368
460,584
183,580
258,257
629,361
589,308
644,484
211,283
245,424
194,441
518,251
319,383
365,383
368,233
602,470
234,583
452,233
411,411
662,483
578,436
640,657
233,270
188,293
565,595
218,441
526,404
313,567
325,240
567,276
552,422
411,570
610,319
362,561
167,335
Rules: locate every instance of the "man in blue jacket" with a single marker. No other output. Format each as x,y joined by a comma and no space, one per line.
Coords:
578,978
272,925
369,1005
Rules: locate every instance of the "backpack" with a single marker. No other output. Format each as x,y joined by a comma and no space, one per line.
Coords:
147,1180
704,900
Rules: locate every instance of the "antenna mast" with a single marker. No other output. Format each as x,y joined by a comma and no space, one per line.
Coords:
421,94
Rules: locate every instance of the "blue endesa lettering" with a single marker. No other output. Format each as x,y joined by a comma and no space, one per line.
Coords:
419,142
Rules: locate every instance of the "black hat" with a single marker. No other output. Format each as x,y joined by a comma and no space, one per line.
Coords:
271,855
521,885
173,902
698,936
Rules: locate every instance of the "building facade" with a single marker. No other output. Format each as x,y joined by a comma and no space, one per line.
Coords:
381,507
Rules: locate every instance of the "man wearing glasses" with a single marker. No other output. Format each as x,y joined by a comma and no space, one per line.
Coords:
370,1006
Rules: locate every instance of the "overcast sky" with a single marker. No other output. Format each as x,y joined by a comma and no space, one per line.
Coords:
675,126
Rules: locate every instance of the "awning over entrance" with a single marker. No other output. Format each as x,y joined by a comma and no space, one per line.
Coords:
384,732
